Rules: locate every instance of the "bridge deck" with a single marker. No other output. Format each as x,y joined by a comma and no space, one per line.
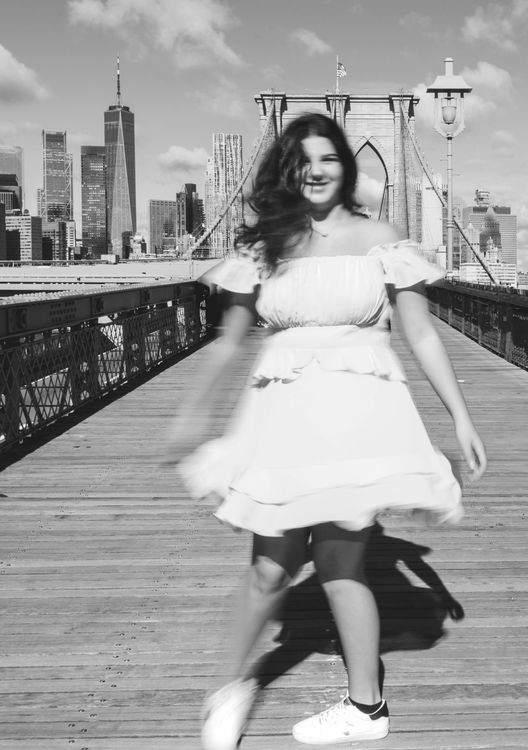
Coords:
117,590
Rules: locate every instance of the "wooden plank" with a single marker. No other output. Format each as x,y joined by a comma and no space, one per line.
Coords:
118,591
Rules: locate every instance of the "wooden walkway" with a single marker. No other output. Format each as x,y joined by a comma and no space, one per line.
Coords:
117,590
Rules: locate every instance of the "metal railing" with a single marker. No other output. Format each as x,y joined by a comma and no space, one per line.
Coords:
60,353
495,317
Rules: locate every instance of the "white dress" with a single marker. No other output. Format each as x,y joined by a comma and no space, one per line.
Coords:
327,430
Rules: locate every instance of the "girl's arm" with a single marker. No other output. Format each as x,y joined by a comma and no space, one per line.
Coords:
190,426
428,349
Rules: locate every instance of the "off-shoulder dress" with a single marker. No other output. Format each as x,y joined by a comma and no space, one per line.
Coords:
327,430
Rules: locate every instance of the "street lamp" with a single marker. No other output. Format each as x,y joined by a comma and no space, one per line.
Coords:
449,91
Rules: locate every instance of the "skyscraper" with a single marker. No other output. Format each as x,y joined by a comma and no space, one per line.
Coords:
23,237
120,175
93,199
224,171
181,215
12,162
476,216
162,215
10,192
3,244
57,192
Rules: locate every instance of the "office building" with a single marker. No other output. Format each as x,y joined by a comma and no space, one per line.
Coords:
181,216
3,245
23,237
56,200
120,175
12,162
93,199
54,242
194,210
162,222
504,273
190,191
10,192
71,239
224,172
507,224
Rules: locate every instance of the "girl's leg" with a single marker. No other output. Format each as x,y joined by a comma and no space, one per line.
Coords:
339,560
275,562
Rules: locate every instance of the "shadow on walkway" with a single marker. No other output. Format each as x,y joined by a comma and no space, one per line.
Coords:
412,617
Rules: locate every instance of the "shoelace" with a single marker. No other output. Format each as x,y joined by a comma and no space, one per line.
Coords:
334,711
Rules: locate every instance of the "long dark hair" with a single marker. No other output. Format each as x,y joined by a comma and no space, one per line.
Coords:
281,211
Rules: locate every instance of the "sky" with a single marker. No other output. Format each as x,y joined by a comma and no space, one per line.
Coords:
190,68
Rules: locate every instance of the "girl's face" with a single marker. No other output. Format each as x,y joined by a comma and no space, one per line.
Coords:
322,176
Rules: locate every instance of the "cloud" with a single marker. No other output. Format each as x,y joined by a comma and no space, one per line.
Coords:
10,130
223,98
272,72
356,9
369,191
192,31
79,138
489,76
415,20
180,159
18,83
498,24
503,143
425,108
491,85
312,44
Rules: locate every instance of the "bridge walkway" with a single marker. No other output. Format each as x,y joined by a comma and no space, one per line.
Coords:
117,590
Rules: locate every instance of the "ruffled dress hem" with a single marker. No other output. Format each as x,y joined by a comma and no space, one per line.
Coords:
327,432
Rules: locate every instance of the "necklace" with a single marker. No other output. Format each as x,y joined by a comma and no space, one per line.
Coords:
325,227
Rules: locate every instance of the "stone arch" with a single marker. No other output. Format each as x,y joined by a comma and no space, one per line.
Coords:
371,144
375,119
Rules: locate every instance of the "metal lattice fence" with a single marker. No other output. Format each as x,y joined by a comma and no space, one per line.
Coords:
48,371
496,318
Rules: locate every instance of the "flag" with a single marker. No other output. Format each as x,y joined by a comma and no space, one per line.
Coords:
341,70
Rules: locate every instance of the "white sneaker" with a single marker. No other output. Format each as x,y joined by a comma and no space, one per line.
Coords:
343,723
225,714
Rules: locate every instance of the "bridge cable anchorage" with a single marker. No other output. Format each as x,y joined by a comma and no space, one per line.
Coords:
428,174
264,136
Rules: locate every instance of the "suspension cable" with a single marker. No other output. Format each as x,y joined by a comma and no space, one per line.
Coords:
427,172
238,189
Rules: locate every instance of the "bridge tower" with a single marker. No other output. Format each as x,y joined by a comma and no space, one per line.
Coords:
369,120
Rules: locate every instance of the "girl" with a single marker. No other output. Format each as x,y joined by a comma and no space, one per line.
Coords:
327,435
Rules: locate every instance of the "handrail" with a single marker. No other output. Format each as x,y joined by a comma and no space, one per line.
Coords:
60,353
496,317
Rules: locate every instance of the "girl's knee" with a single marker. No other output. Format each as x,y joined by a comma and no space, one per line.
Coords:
340,588
267,578
333,566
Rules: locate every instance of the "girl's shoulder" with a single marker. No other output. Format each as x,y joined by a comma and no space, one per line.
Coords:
377,232
361,234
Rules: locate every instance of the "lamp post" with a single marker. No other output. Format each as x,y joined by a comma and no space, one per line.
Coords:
449,90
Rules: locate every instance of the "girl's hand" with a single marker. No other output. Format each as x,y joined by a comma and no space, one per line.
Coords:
472,449
185,434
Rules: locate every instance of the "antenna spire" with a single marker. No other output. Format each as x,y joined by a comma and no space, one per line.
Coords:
118,84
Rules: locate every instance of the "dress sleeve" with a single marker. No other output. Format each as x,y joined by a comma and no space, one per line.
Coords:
238,275
403,266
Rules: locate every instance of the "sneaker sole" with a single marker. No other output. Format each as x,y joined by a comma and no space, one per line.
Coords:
378,735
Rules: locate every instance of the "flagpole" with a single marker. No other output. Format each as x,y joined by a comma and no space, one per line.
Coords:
337,77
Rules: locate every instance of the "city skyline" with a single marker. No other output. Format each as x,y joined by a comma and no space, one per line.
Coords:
192,69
